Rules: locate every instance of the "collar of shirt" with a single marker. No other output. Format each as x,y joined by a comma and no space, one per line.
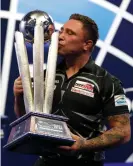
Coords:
88,66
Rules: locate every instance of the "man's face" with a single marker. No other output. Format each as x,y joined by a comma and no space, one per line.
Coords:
71,38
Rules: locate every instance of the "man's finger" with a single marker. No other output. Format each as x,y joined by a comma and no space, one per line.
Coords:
18,87
64,147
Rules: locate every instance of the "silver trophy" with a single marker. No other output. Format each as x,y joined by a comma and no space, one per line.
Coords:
38,131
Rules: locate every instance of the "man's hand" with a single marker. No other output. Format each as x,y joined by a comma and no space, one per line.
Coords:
19,107
76,147
18,88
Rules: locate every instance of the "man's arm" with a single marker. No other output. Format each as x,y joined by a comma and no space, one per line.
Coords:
119,125
118,133
19,107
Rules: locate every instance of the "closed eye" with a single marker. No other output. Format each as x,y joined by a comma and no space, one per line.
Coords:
68,31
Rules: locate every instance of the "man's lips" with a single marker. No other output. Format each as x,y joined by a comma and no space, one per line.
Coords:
61,45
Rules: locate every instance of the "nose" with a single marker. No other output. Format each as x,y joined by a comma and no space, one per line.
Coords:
61,36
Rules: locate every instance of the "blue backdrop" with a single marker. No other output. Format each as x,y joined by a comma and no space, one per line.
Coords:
114,52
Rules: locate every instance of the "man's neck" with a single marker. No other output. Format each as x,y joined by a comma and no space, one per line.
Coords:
73,64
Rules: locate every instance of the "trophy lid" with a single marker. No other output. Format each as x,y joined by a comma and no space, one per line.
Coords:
31,19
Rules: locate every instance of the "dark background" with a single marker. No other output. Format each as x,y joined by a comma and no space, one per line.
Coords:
123,40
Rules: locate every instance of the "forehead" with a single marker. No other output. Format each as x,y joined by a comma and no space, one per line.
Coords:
74,25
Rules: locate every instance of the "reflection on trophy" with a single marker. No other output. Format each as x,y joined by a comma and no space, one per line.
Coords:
38,131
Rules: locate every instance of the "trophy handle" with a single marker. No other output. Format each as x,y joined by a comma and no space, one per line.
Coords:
23,64
50,73
38,72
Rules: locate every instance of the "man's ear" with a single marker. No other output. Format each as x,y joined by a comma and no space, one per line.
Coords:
88,45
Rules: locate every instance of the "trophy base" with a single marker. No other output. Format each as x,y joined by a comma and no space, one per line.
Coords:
38,133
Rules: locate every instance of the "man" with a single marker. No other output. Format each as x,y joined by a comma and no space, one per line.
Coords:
87,94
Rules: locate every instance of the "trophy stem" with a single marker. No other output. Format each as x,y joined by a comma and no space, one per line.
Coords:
50,73
38,60
24,71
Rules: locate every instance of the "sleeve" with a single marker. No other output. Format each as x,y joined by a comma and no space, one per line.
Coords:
114,99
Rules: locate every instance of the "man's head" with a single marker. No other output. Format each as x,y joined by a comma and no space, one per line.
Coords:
78,35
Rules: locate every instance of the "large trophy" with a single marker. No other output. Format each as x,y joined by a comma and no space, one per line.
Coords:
38,131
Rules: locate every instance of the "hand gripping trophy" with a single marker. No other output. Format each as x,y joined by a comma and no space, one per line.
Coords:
38,131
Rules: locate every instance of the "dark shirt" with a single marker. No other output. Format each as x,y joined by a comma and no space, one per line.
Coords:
87,98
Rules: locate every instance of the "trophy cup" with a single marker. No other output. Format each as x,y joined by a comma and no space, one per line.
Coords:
38,131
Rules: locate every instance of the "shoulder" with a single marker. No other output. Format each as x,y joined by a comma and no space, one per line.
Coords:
98,71
107,76
109,84
106,79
